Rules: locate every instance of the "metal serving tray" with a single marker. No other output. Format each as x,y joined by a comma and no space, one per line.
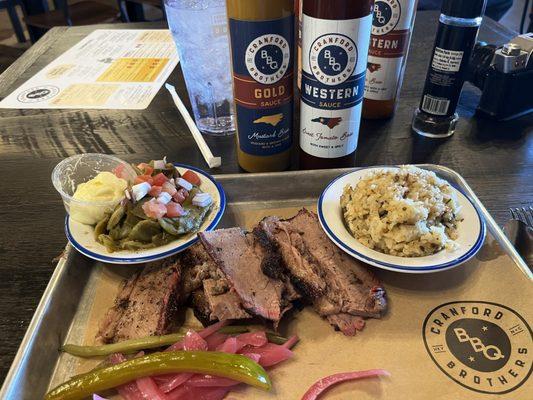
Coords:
68,297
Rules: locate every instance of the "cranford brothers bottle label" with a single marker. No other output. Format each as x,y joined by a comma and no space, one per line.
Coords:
391,27
334,56
262,81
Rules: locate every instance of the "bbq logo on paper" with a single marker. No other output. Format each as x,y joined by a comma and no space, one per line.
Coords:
483,346
38,94
387,13
267,58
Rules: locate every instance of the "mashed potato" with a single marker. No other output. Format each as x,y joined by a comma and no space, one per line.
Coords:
407,212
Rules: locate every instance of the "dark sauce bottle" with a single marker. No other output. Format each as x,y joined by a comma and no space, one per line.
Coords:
458,28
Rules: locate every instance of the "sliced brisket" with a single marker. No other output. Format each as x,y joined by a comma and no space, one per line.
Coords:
108,325
337,285
241,257
200,306
223,302
196,267
346,323
212,297
146,305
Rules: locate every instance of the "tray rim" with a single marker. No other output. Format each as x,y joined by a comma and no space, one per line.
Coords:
17,366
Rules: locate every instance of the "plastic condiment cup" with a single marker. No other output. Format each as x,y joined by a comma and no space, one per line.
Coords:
72,171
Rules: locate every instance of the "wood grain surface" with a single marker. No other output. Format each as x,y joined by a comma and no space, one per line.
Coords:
495,158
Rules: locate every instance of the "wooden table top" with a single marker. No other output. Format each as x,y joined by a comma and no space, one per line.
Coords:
495,158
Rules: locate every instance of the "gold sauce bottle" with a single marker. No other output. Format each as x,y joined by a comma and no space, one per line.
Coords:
392,25
262,40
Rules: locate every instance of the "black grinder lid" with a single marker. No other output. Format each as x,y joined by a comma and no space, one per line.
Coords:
463,8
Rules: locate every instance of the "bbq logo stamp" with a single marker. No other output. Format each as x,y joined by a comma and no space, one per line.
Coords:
485,347
332,58
267,58
37,94
387,13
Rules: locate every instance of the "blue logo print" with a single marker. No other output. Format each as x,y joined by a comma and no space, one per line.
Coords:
269,59
386,16
382,14
332,60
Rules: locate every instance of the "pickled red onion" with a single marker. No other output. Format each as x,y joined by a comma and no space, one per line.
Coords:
324,383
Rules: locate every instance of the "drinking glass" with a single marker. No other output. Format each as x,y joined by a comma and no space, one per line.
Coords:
199,29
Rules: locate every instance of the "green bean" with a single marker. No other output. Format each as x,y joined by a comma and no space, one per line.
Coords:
187,223
116,217
108,242
169,227
144,231
100,227
138,211
131,219
135,245
163,238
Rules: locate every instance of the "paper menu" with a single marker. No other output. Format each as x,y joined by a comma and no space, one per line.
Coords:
109,69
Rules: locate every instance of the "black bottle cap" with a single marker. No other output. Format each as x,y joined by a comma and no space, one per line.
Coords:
463,8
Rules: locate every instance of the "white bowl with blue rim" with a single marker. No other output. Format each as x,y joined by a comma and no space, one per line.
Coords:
81,236
471,232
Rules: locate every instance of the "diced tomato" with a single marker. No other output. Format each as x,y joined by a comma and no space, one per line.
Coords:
192,177
174,210
180,195
119,171
159,179
153,209
143,178
169,188
155,191
146,168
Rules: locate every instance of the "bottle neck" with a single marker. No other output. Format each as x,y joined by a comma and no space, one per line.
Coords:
462,22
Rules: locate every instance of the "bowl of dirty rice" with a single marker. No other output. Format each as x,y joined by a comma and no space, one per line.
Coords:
402,218
407,212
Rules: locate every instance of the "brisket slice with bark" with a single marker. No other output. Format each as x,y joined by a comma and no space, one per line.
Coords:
241,257
340,288
145,306
108,325
196,266
212,296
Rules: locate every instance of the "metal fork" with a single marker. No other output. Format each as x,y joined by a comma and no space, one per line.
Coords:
524,214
